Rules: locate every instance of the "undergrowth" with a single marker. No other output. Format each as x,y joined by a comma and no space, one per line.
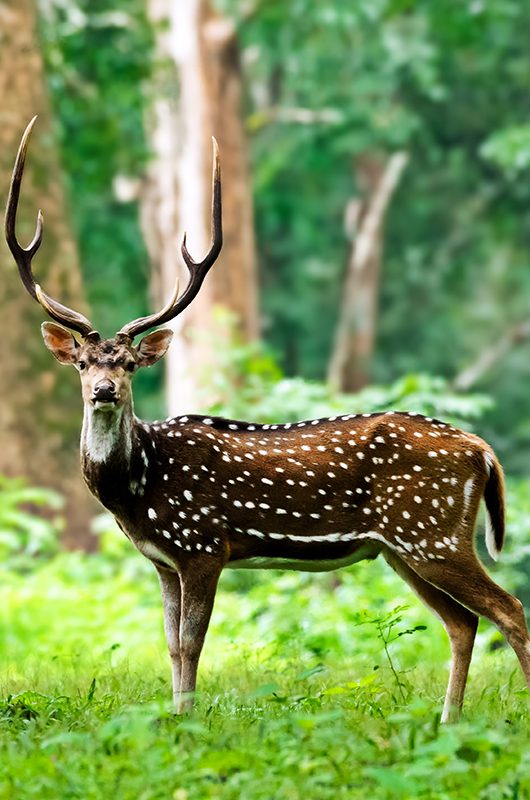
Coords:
310,687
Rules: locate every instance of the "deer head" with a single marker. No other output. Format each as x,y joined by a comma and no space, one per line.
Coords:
106,366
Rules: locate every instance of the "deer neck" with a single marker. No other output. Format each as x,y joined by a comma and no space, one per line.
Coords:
107,436
108,441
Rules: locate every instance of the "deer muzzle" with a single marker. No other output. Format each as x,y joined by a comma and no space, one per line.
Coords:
104,394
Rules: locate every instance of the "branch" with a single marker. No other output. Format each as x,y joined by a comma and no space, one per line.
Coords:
372,222
487,359
294,114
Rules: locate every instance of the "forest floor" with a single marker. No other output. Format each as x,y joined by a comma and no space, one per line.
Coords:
292,702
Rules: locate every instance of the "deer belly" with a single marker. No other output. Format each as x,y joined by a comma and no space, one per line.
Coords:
305,564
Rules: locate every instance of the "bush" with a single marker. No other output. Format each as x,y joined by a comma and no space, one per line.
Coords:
24,534
249,385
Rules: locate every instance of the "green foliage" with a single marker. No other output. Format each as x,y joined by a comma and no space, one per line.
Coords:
327,84
296,692
291,399
331,83
249,385
98,60
24,534
510,149
311,685
323,746
325,685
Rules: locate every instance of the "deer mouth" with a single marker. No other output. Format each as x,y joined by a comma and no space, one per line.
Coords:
105,399
104,405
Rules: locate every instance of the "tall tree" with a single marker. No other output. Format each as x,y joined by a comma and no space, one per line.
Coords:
40,405
198,53
351,358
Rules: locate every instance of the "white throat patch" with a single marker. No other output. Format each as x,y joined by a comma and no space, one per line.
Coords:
101,433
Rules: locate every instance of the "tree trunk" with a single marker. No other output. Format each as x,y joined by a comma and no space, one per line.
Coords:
353,349
40,403
198,94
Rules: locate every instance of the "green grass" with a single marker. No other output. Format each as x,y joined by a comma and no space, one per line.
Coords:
296,696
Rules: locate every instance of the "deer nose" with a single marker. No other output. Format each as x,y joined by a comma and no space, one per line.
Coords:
104,392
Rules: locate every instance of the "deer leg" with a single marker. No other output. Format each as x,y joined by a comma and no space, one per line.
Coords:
198,594
467,582
460,625
171,601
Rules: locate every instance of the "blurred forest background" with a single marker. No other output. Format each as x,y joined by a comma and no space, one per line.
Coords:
376,182
376,207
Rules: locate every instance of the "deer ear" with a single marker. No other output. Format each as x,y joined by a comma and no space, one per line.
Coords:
61,342
153,347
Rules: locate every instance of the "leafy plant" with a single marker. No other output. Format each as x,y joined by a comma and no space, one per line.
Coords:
24,534
249,384
388,632
307,686
509,149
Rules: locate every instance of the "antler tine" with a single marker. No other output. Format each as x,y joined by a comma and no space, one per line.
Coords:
23,256
197,269
217,230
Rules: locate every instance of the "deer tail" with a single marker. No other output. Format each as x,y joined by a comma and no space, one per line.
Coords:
495,505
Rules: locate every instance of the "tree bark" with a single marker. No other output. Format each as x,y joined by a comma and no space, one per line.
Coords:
40,405
349,368
198,53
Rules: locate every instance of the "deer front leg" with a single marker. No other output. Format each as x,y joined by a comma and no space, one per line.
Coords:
198,584
171,601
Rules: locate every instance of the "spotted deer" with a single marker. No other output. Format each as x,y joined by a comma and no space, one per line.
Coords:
196,494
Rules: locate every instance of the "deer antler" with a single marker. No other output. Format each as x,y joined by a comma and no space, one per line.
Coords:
197,269
23,256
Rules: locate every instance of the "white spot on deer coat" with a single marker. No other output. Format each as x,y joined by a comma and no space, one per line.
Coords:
468,489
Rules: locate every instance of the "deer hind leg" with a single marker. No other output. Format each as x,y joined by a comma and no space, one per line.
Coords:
459,623
464,578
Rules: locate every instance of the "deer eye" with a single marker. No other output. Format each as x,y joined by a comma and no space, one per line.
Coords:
129,366
81,365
